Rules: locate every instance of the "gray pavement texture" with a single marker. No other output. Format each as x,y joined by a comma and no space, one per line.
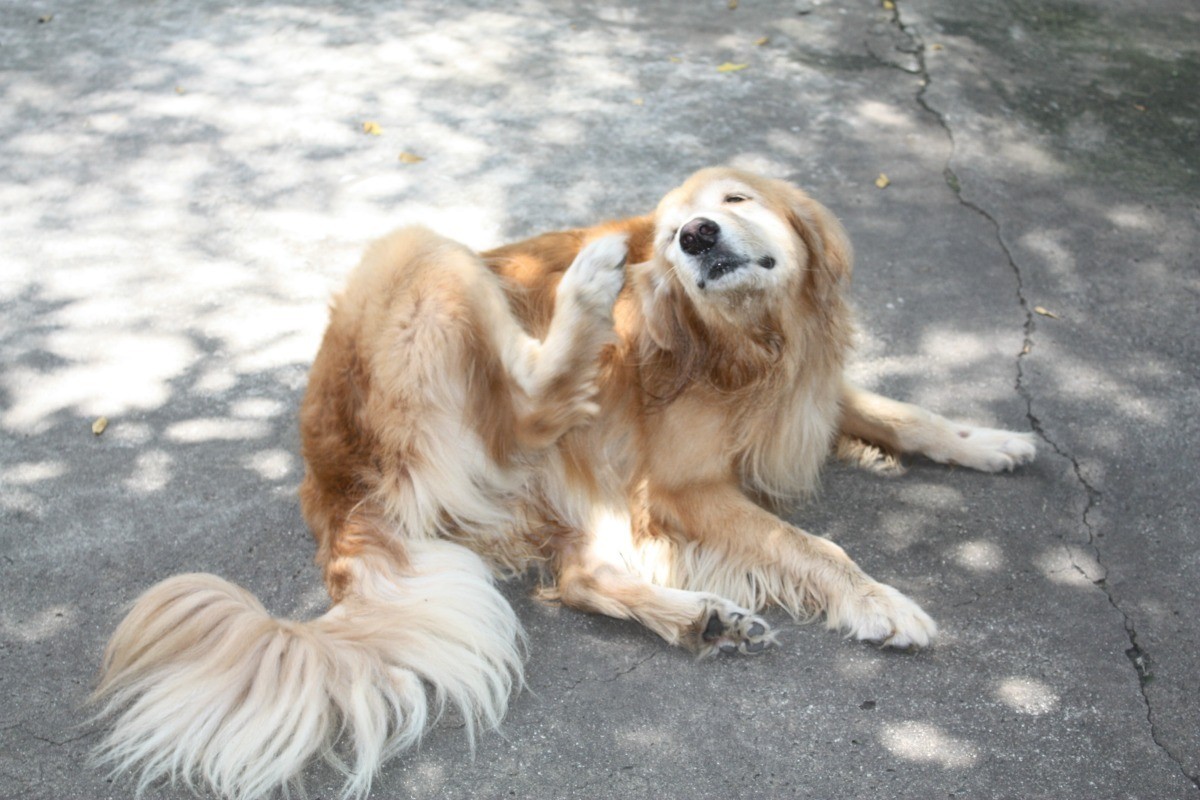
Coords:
183,185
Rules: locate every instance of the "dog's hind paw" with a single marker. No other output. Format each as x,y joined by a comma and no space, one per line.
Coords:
596,276
727,628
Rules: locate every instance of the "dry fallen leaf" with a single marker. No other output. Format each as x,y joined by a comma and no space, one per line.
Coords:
729,66
733,4
1045,312
882,181
761,41
889,5
639,101
99,425
179,90
936,47
411,158
675,59
1139,106
372,128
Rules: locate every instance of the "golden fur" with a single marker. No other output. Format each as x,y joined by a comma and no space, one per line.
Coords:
622,405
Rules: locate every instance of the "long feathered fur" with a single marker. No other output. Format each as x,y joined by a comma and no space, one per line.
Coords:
206,686
583,401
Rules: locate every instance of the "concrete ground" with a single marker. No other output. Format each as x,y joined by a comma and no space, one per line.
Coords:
183,184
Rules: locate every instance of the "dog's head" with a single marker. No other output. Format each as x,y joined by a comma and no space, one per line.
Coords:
737,248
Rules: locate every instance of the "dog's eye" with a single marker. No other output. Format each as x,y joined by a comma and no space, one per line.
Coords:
736,198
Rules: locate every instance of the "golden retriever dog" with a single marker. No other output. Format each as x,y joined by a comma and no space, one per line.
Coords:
625,407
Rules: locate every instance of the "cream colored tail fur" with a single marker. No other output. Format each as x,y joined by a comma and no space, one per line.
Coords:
206,686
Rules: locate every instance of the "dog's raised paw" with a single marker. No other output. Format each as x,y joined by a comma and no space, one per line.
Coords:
596,276
727,628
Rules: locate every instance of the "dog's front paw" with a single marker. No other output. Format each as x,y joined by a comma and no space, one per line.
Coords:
727,628
989,449
596,276
883,615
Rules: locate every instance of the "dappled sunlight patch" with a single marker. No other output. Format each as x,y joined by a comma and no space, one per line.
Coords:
787,144
32,472
314,600
1095,380
106,373
900,529
979,555
152,471
257,408
260,337
159,244
245,325
1037,160
561,131
194,431
291,347
19,501
270,465
926,743
930,495
955,348
1027,696
886,115
1136,218
859,664
647,737
960,373
1051,247
216,379
374,203
1157,270
426,777
821,38
127,433
1140,407
1069,565
41,626
762,163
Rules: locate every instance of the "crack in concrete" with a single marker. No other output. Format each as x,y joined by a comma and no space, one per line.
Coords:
619,673
634,666
1138,657
56,742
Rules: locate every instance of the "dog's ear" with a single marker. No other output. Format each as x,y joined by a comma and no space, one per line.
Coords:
659,305
675,346
830,256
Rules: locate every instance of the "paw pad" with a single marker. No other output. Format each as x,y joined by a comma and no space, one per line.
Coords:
729,629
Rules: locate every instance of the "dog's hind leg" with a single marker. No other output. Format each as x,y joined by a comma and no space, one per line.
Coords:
591,576
906,428
557,375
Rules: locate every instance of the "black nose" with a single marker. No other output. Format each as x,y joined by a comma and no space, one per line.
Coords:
698,235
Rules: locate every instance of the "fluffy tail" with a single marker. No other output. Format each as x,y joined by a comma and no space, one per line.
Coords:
206,686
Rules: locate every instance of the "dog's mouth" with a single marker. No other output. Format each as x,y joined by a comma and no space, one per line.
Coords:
716,265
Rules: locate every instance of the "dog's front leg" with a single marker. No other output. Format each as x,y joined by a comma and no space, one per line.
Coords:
906,428
728,542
